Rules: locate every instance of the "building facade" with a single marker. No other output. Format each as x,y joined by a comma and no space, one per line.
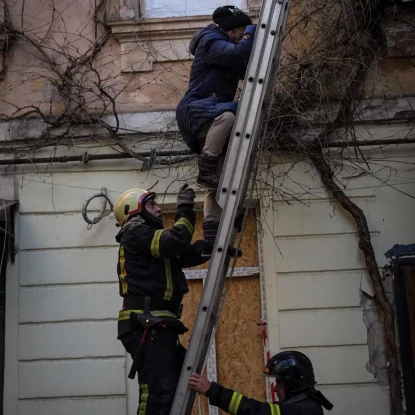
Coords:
302,273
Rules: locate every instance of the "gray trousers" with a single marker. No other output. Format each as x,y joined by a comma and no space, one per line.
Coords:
213,140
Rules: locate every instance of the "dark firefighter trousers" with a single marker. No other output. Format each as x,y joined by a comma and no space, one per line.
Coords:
159,374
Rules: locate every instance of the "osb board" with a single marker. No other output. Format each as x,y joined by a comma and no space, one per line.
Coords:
191,303
249,244
240,351
239,344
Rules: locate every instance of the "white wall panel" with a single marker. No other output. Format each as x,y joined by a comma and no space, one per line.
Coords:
65,303
69,340
72,378
294,178
317,218
313,285
298,180
67,230
358,400
318,254
68,266
319,290
393,211
74,406
339,365
328,327
67,191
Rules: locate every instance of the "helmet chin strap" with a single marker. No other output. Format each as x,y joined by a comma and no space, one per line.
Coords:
151,219
320,398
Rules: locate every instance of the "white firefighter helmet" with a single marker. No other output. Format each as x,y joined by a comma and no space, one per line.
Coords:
131,202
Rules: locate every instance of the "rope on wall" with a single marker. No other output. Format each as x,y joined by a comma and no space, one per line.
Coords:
103,211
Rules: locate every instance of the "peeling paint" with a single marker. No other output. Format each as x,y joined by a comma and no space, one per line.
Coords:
129,10
377,364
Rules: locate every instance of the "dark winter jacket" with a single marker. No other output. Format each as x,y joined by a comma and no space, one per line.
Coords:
151,258
218,65
236,404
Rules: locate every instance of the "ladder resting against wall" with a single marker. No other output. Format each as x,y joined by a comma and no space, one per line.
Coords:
233,186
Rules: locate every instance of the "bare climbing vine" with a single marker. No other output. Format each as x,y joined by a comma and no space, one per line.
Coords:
326,88
385,307
76,65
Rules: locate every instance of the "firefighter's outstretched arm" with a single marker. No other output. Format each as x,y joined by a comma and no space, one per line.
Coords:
194,256
233,402
175,241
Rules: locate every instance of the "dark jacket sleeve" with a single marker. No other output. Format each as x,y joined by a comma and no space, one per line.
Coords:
193,257
236,404
227,53
167,243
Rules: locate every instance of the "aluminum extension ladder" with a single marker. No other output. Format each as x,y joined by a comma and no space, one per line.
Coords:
233,186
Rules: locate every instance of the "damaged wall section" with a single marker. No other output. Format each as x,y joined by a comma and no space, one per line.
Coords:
377,364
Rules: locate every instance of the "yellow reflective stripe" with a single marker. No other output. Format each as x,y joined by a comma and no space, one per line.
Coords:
125,314
275,409
143,400
238,403
124,285
235,402
232,402
169,283
187,224
155,243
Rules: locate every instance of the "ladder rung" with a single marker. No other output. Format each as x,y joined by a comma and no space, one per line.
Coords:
233,187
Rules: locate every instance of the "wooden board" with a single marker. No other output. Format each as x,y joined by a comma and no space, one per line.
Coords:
190,305
239,347
409,273
240,351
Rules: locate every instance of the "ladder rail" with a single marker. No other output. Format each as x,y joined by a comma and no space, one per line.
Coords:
247,95
246,132
232,191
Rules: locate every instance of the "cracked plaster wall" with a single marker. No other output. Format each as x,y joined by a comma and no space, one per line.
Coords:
377,364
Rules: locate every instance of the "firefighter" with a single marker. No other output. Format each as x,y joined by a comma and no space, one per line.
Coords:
152,284
206,113
295,389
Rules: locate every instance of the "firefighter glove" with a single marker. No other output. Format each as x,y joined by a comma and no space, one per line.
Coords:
185,198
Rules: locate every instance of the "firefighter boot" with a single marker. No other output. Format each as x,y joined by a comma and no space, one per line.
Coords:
210,230
208,171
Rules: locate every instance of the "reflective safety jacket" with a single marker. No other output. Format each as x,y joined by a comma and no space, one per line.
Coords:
151,258
237,404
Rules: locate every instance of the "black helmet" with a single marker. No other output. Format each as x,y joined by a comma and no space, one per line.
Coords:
293,369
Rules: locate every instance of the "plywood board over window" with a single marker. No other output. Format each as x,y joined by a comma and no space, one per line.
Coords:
404,269
239,346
